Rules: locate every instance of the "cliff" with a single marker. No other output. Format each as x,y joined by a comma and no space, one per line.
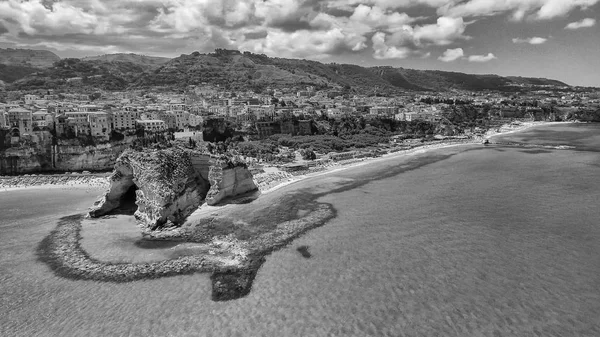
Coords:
38,154
28,57
226,181
168,185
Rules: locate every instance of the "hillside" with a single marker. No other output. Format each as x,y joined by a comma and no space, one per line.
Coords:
234,70
28,58
76,73
11,73
129,58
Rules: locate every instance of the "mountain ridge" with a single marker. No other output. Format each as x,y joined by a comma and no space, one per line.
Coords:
234,70
128,57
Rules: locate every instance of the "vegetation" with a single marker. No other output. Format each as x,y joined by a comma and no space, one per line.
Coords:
234,70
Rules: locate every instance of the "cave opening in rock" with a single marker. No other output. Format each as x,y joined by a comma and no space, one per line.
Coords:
127,205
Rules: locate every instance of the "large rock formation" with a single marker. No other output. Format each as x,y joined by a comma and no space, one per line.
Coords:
169,185
226,181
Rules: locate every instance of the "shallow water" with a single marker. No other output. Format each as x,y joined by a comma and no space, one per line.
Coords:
480,241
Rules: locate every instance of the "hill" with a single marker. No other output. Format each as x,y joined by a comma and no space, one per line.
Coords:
130,58
234,70
28,58
11,73
80,74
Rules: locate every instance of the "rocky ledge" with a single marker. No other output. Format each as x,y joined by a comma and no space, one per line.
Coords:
169,185
232,262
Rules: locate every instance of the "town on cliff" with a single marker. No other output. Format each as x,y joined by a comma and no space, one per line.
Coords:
79,124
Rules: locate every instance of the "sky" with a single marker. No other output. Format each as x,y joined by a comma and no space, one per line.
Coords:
558,39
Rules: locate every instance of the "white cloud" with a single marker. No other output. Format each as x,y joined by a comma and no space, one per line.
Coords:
530,40
33,18
304,43
585,23
384,51
375,17
519,9
482,58
452,55
442,33
288,28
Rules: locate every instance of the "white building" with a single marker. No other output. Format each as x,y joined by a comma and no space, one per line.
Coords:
153,125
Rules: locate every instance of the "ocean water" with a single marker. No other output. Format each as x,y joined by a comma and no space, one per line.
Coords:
463,241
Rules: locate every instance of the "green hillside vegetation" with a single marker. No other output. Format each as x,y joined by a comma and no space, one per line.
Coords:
77,73
142,60
233,70
9,74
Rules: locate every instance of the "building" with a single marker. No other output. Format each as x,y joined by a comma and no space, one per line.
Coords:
125,119
152,125
261,112
182,119
3,119
195,120
265,129
20,122
100,124
383,111
79,121
42,119
30,99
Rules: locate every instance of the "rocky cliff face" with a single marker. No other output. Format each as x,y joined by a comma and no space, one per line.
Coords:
169,185
90,158
42,156
28,57
227,182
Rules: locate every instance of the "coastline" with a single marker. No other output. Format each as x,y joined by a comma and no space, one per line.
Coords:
66,181
504,130
234,239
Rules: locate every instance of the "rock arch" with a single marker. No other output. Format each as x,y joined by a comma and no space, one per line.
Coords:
170,185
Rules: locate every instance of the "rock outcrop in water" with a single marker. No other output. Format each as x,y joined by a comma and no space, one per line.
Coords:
169,185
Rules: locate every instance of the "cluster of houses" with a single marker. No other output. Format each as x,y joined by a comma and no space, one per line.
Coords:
282,110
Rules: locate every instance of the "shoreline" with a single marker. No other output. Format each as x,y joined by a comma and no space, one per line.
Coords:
416,150
233,260
66,181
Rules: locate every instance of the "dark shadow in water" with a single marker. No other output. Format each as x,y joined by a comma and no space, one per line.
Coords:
303,250
155,244
232,284
536,151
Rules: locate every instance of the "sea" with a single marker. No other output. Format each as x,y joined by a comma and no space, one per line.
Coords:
475,240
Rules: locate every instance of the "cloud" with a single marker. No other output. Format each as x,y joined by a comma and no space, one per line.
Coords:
286,28
406,41
442,33
482,58
452,55
585,23
384,51
530,40
535,9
